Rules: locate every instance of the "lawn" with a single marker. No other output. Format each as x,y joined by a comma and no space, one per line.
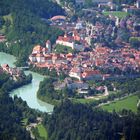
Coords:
42,131
129,103
118,14
63,49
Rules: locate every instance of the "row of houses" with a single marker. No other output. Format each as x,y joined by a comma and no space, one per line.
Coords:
15,73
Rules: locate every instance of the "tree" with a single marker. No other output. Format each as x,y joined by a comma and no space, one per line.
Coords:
135,42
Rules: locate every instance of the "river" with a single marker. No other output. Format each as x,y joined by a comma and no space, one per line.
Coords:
27,92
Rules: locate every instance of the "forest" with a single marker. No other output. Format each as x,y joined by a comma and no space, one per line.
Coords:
71,121
12,112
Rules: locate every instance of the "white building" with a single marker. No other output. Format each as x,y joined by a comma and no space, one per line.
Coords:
48,46
70,41
76,73
138,4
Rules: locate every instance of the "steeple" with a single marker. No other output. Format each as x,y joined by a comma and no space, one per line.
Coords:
48,46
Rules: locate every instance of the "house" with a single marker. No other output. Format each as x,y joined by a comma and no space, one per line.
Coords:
40,58
37,49
78,85
90,74
2,38
59,85
75,72
79,26
32,58
5,68
69,56
58,59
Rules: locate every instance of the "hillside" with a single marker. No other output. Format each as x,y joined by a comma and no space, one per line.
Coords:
21,22
77,122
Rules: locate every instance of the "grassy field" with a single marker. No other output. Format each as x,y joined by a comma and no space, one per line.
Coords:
118,14
62,49
42,131
129,103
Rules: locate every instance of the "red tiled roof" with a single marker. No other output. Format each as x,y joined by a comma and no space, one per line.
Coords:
5,66
37,48
65,39
59,17
88,73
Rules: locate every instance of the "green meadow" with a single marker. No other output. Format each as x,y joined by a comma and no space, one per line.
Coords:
129,103
42,131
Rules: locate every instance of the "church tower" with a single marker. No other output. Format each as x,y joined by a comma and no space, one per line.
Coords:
48,46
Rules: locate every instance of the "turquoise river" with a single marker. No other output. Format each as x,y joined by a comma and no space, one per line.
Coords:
28,92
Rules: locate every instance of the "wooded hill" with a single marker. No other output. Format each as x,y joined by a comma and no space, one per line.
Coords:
80,122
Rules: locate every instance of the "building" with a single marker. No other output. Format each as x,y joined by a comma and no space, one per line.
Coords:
138,4
58,18
2,38
37,49
48,46
101,1
94,1
79,26
90,74
75,72
66,41
73,42
5,68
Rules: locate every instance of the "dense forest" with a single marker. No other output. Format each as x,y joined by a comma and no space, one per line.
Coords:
10,120
24,24
79,122
12,112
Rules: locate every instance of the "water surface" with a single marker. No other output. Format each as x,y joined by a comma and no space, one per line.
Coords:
27,92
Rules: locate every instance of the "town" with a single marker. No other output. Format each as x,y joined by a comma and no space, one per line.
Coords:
90,57
70,69
92,50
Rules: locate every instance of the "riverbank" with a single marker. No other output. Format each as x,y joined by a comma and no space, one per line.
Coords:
47,100
28,92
